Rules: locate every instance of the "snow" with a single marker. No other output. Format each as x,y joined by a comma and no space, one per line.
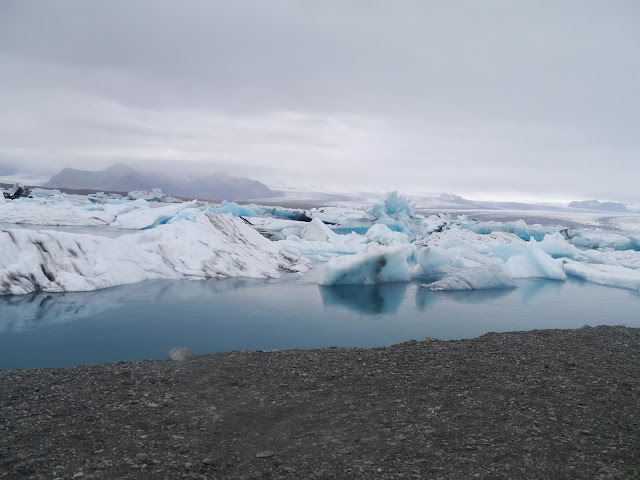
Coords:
347,244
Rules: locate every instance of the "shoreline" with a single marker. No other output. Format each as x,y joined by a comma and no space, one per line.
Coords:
535,404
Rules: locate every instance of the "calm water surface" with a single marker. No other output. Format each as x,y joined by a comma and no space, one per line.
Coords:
146,320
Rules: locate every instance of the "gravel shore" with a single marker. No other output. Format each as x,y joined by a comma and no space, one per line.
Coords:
548,404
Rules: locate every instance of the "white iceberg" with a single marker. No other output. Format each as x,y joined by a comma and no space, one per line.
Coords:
147,217
609,275
393,205
155,195
534,263
212,246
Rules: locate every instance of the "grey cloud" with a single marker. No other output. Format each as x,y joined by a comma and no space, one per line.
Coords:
458,95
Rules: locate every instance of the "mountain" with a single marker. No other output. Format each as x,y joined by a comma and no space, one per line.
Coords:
122,178
118,178
600,206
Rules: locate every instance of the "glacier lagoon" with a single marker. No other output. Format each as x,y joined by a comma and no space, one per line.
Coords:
145,320
86,282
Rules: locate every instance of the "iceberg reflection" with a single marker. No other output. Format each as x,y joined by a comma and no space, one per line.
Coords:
368,299
19,313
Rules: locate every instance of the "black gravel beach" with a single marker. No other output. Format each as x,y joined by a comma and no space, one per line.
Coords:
549,404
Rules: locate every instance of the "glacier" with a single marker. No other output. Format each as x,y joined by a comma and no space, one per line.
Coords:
344,243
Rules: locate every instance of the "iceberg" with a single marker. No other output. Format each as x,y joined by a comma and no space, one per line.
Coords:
317,231
155,195
374,265
16,192
485,277
593,239
43,212
534,263
609,275
101,197
147,217
393,205
518,228
211,246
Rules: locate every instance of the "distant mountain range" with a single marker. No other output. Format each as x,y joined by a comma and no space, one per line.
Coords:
122,178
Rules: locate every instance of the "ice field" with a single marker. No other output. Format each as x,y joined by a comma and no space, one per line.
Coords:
55,242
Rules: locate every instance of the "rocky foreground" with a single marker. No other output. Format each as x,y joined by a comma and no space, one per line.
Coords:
544,404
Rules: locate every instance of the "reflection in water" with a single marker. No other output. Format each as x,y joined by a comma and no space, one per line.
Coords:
426,298
25,312
541,292
146,320
367,299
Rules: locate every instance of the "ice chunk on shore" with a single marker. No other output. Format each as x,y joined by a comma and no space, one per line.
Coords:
375,265
212,246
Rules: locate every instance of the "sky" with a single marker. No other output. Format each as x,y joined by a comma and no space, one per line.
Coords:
492,99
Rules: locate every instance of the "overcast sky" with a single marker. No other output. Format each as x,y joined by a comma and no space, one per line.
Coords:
480,98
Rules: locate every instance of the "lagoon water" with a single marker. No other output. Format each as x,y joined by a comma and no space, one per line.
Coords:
146,320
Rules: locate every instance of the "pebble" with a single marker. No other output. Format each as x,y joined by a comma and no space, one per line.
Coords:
181,354
207,461
265,454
